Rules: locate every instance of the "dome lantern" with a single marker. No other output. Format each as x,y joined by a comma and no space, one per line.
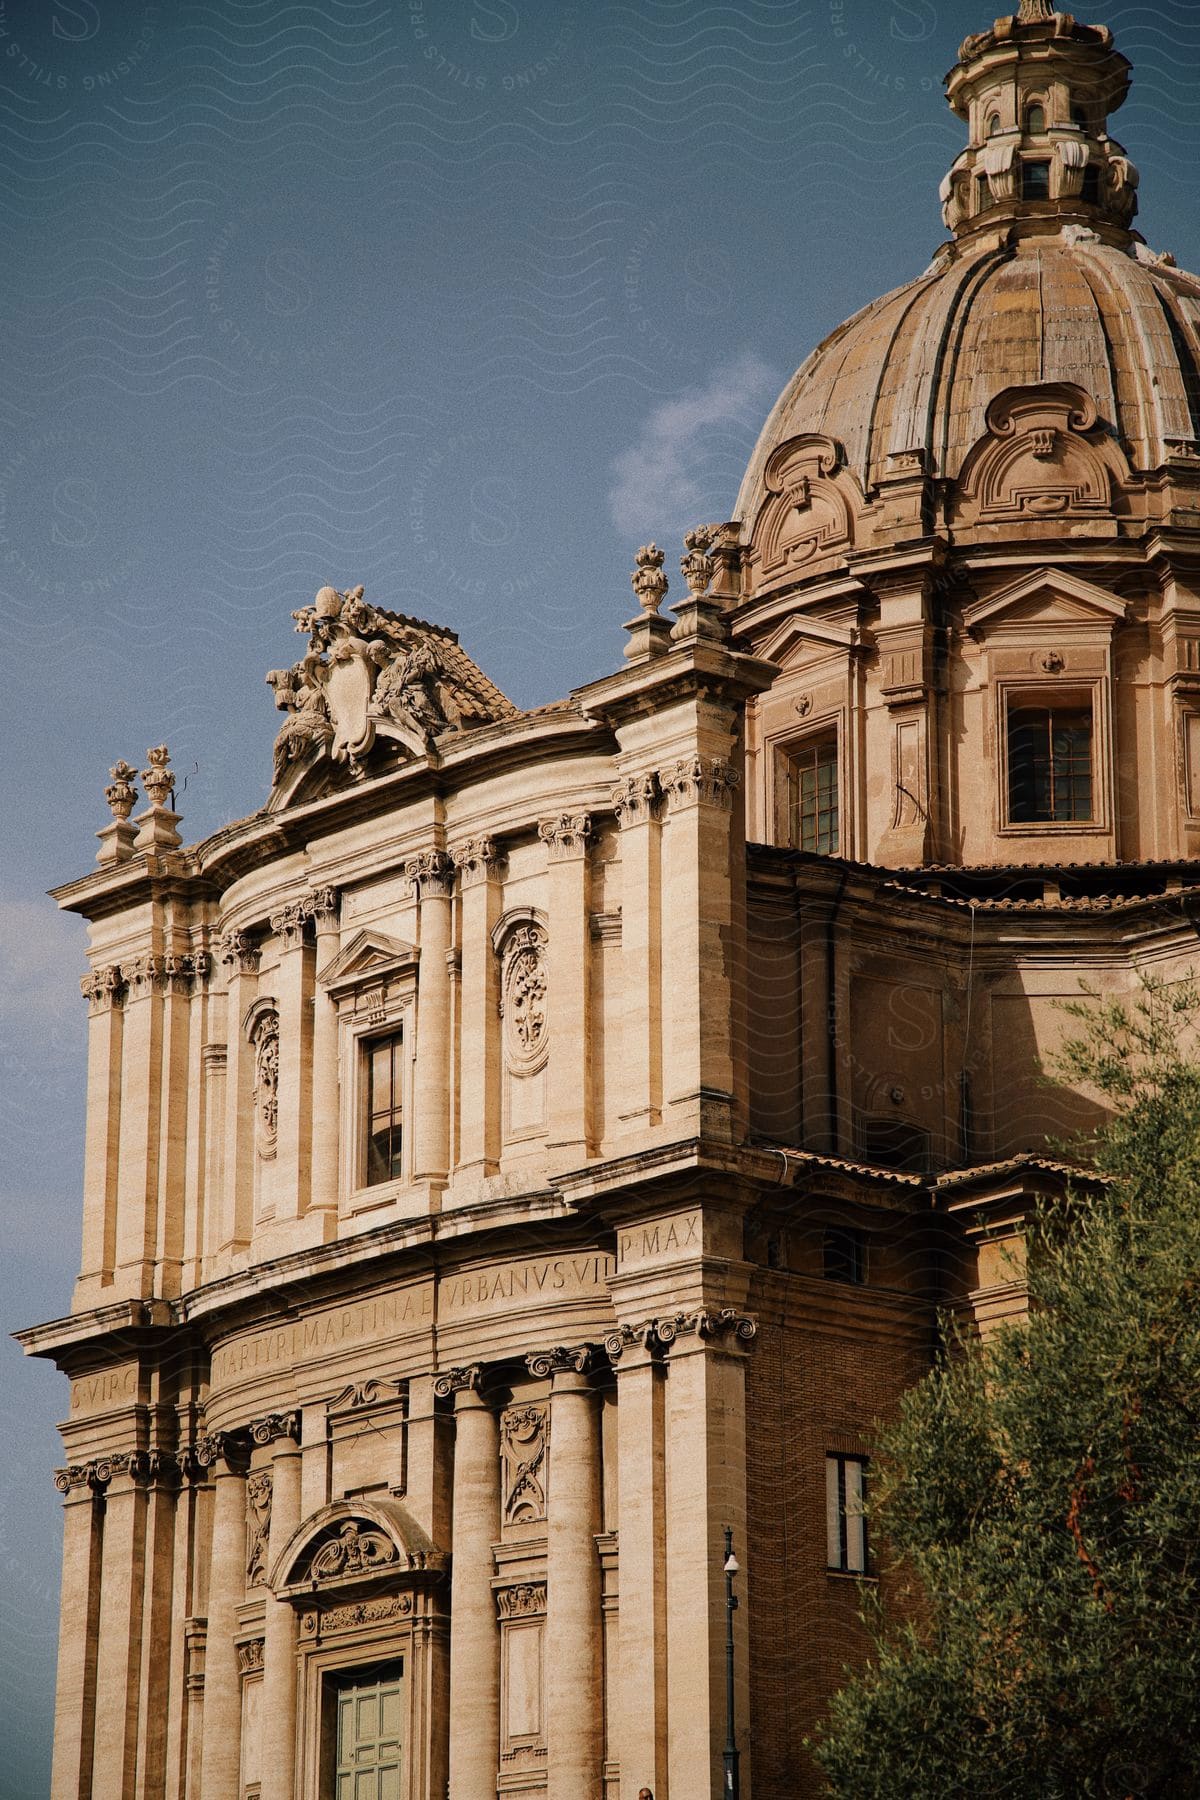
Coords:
1035,91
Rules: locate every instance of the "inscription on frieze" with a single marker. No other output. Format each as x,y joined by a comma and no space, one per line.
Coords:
663,1241
367,1321
502,1286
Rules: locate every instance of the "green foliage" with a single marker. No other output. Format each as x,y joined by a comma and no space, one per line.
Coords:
1040,1493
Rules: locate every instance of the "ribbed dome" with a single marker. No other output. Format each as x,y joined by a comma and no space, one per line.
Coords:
918,368
1043,281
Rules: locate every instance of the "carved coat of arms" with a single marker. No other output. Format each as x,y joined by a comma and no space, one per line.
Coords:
373,676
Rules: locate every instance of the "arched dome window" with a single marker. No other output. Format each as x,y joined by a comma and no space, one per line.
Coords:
993,125
1079,117
1035,120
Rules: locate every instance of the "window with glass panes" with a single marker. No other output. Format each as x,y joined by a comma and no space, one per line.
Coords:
845,1514
1049,764
369,1735
812,775
384,1059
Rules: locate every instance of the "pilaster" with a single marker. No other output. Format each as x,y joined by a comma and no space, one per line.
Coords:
104,990
240,957
120,1648
431,874
567,838
324,1186
478,862
138,1155
293,992
636,801
78,1636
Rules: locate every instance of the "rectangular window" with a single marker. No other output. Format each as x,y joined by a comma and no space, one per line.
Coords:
368,1736
812,777
1049,764
845,1514
844,1255
384,1107
1035,181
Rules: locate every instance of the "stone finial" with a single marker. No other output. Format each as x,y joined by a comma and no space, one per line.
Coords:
117,839
1032,11
158,780
121,795
156,826
648,580
697,565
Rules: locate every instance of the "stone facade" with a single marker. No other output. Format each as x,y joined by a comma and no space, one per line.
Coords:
537,1142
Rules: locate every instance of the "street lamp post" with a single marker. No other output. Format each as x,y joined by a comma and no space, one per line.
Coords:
732,1776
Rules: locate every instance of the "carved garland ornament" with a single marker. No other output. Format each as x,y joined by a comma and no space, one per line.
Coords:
523,1002
524,1445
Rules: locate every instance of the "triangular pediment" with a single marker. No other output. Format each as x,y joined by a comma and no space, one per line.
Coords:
801,631
1047,597
369,957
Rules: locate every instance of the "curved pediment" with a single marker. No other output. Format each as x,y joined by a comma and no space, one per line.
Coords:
354,1541
1046,458
808,514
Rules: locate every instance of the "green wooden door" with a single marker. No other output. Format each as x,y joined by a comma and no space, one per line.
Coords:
370,1739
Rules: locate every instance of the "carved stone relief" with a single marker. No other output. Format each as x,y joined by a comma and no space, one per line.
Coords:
523,1002
265,1038
524,1447
354,1551
259,1491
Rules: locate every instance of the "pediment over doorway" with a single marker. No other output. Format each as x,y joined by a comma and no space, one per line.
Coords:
351,1543
369,958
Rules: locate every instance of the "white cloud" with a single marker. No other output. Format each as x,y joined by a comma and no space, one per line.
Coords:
685,461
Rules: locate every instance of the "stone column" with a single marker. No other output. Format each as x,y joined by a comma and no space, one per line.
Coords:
78,1635
478,864
705,1491
293,1151
220,1754
241,958
474,1636
573,1680
279,1644
120,1647
634,800
103,989
568,989
141,1089
432,875
641,1715
325,1088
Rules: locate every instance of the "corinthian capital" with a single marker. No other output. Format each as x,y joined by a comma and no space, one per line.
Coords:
288,924
101,988
699,781
634,798
476,860
431,873
239,953
566,836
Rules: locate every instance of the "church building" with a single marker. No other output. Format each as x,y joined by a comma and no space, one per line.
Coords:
537,1143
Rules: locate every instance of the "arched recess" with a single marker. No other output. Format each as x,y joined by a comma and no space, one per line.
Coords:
371,1596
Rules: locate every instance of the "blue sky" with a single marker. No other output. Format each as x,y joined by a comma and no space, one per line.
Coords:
460,299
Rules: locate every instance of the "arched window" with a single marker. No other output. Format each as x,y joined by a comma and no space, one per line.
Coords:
1035,122
1079,117
993,126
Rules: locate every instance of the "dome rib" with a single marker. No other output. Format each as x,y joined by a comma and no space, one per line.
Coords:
918,369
